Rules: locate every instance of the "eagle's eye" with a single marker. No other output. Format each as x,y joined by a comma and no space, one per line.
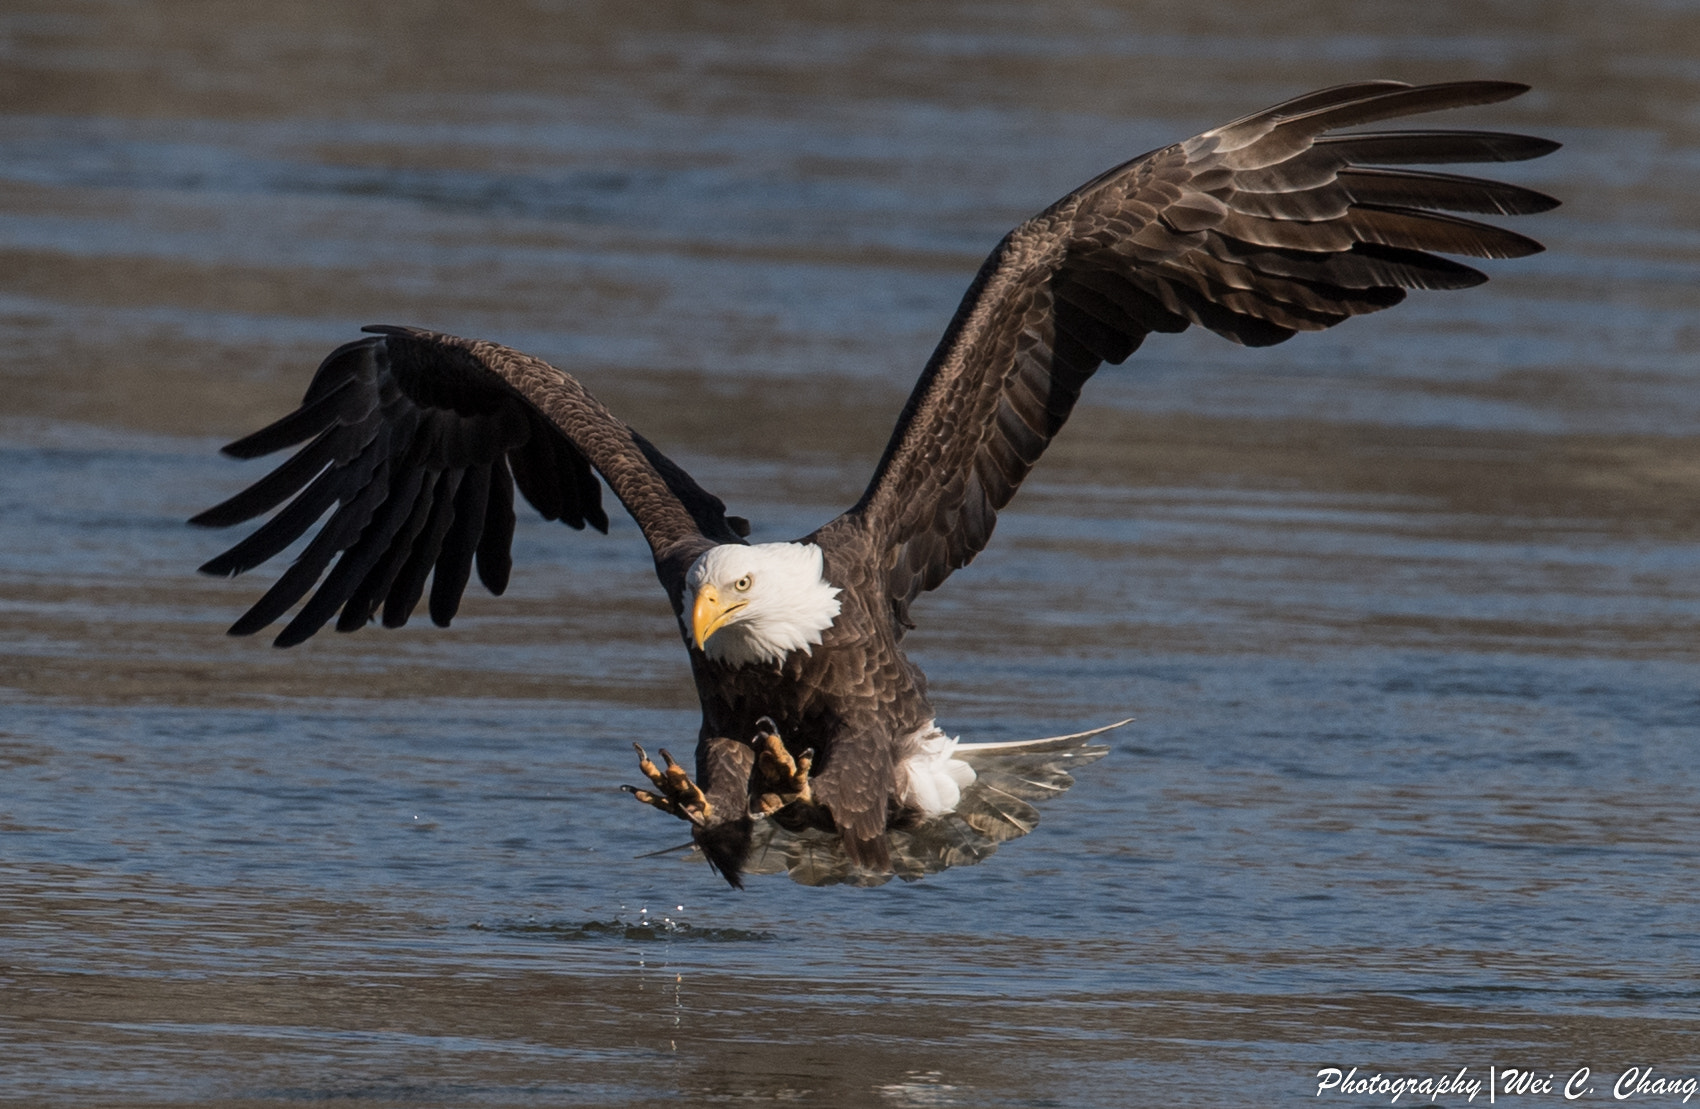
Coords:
742,585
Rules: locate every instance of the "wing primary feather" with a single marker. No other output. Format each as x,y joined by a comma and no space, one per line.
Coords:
1430,147
1261,122
286,527
1329,97
1387,103
360,556
342,529
1414,229
495,546
1409,188
374,586
454,565
275,488
300,425
409,584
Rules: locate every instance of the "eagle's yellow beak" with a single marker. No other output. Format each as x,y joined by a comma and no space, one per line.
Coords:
708,615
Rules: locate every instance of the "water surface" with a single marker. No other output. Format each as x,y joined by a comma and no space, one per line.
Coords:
1406,611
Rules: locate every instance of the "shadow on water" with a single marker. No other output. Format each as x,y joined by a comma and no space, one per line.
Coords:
1406,611
642,930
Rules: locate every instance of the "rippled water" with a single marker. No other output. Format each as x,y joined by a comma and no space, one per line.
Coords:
1406,611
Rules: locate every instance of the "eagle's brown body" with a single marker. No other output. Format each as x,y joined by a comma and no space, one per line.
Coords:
1273,224
853,701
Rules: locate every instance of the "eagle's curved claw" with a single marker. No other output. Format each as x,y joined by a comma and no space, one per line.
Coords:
779,779
678,795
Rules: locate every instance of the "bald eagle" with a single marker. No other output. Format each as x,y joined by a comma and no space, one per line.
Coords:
819,751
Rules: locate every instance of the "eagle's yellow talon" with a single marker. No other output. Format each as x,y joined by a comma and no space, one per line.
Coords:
780,779
649,798
677,796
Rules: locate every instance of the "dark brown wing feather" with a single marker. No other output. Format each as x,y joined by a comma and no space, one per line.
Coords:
1256,230
417,440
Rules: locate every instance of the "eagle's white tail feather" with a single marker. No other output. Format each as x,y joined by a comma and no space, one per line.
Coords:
1060,742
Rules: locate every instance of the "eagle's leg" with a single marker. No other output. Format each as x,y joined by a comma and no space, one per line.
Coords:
677,794
780,780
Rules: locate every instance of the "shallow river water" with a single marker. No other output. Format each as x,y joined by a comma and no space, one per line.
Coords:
1406,612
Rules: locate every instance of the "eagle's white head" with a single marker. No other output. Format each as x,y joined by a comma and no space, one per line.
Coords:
759,603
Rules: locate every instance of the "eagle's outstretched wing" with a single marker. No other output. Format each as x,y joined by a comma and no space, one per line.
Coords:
1256,230
417,440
